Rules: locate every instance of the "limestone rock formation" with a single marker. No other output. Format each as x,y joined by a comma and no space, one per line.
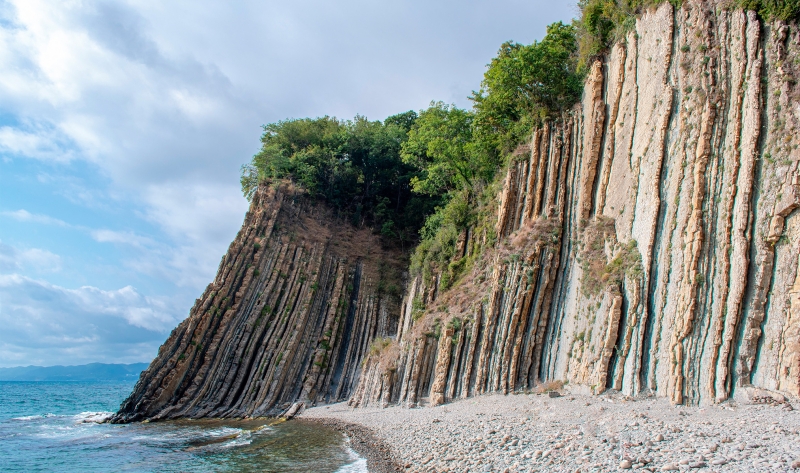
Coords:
649,242
298,299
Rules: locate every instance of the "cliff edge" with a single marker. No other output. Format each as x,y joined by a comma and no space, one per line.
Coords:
296,302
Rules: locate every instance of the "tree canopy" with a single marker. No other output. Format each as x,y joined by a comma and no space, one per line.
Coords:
353,165
525,84
419,176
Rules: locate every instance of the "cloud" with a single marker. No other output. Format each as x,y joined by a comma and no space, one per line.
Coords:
125,238
23,215
33,259
38,144
44,323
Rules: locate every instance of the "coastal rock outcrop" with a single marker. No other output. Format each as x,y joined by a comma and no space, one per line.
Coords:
648,242
297,301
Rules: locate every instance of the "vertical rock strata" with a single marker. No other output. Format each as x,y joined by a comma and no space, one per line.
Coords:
648,243
295,305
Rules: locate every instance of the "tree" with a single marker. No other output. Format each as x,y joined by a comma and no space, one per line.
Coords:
440,146
525,84
353,165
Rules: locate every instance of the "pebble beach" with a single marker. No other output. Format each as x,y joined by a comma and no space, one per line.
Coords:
556,432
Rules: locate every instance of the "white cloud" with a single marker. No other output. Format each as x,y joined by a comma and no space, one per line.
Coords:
38,144
40,260
32,259
23,215
125,238
40,319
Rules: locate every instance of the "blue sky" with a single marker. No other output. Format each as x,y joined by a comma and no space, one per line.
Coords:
123,125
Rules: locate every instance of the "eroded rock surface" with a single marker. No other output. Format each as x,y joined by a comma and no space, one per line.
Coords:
649,242
293,309
645,242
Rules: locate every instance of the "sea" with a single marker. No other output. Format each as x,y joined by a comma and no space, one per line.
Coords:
57,427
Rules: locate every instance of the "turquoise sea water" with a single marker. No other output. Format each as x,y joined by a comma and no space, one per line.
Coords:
48,427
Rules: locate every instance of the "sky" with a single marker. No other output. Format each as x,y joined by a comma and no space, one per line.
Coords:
123,126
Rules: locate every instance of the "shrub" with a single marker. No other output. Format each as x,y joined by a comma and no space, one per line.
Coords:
598,272
378,345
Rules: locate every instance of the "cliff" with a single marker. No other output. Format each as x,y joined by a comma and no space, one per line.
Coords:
648,241
297,301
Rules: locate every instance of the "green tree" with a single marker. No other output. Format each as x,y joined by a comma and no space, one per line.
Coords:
440,146
353,165
525,84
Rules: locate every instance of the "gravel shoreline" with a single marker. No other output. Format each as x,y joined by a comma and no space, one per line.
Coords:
379,455
570,433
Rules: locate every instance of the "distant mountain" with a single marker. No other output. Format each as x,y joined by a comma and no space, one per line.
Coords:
90,372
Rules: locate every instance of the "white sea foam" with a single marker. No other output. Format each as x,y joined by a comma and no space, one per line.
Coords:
37,416
359,464
223,432
92,417
28,417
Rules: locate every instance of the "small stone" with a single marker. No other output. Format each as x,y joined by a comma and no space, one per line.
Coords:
625,464
554,394
670,467
719,461
698,465
796,464
659,438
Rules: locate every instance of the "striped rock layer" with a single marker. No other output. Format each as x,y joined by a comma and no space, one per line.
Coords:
648,243
295,305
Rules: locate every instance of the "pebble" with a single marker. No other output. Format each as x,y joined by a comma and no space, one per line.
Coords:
538,433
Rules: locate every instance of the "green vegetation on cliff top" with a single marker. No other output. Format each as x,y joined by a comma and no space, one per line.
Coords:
415,174
604,22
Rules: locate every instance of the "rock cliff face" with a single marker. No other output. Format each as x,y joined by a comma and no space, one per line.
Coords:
298,299
649,241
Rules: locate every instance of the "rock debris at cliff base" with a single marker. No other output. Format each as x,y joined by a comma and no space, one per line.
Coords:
611,432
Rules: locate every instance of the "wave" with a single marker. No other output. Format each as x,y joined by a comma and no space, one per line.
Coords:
35,417
358,465
93,417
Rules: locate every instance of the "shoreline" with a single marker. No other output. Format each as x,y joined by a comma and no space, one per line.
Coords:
572,432
364,441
